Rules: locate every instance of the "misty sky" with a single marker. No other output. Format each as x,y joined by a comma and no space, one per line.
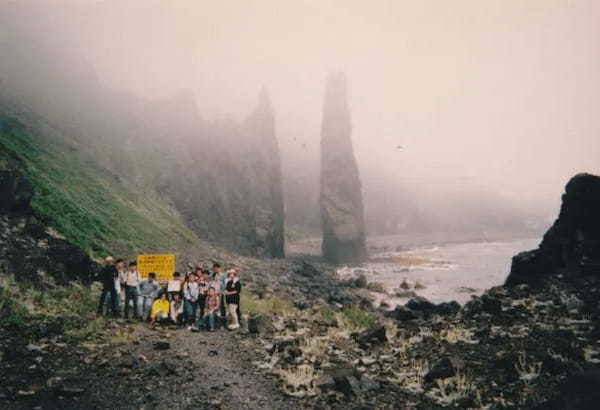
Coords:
496,93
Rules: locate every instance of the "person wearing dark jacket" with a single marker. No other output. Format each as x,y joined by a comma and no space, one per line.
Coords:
233,288
108,278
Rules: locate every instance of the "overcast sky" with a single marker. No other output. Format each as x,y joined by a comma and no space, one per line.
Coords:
500,93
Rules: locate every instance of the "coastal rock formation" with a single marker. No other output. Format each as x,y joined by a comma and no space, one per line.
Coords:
572,245
227,182
27,250
342,210
267,195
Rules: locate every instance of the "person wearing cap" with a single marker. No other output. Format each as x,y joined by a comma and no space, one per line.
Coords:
108,276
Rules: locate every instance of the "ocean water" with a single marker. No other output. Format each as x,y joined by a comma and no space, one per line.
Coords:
443,272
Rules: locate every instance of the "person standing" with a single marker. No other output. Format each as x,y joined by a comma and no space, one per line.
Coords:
191,292
221,278
203,285
108,277
148,289
233,288
174,285
132,282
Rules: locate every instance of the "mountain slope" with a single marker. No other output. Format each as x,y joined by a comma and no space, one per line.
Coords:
87,203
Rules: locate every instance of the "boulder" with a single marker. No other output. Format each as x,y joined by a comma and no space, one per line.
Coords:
259,324
341,202
26,248
15,190
162,345
572,245
579,392
373,336
402,313
442,369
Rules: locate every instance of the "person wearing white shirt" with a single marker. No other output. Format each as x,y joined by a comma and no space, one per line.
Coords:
132,281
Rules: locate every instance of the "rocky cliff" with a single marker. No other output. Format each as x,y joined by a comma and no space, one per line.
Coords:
227,183
342,211
27,249
571,247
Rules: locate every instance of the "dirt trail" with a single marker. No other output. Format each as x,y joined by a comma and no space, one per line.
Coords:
196,371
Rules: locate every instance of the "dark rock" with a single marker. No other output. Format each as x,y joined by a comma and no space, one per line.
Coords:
440,370
342,209
15,190
69,391
448,308
374,336
259,324
420,304
360,282
368,384
579,392
325,382
162,345
347,381
306,269
491,305
402,313
37,256
572,245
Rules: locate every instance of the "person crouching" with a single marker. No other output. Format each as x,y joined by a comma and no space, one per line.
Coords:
176,312
160,309
211,307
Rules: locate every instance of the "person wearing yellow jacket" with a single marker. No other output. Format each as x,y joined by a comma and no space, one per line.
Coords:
160,309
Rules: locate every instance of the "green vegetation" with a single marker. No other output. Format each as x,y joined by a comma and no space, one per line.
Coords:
358,317
87,202
35,312
272,305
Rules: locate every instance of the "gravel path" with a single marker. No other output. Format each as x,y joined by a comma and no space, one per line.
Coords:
196,371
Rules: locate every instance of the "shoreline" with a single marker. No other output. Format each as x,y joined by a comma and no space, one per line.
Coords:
406,242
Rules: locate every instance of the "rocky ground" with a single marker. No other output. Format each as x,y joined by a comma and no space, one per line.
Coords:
138,367
510,348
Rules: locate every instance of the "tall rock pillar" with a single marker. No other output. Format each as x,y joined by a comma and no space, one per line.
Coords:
266,191
342,210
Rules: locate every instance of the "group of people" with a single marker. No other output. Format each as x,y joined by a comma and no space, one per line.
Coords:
203,299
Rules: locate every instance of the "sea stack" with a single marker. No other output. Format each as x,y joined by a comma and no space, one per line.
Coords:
268,216
342,210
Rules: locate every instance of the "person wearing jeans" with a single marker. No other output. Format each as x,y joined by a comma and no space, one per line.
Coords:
132,283
148,289
211,308
108,277
191,292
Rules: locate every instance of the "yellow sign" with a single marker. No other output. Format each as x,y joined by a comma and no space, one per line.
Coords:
163,264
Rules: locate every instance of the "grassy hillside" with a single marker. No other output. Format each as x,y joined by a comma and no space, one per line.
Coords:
82,199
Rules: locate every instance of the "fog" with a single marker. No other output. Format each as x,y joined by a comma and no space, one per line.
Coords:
494,100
